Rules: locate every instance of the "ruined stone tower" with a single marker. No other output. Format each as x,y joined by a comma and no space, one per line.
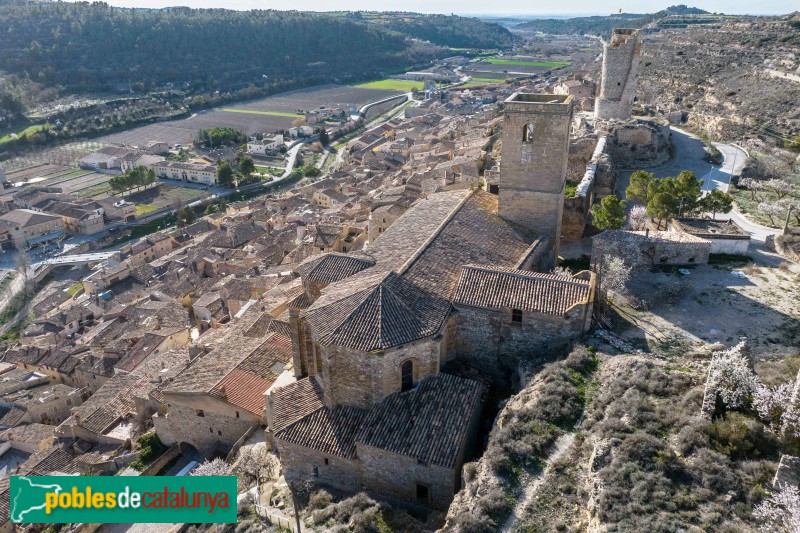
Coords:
533,168
621,57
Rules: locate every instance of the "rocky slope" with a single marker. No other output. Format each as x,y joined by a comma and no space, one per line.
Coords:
640,458
733,80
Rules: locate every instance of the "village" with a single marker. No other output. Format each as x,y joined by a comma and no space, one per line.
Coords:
354,326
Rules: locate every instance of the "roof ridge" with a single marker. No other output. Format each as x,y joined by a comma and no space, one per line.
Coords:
399,300
269,336
410,261
529,274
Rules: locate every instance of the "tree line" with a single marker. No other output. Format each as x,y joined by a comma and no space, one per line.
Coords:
96,47
135,178
663,199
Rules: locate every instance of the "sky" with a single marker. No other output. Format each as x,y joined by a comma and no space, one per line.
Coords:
499,7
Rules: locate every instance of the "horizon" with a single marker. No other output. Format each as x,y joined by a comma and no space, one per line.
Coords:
470,8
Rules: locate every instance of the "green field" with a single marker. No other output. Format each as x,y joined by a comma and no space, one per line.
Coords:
392,85
267,113
546,64
143,209
30,130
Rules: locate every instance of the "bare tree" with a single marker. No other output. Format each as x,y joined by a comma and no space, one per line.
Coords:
22,264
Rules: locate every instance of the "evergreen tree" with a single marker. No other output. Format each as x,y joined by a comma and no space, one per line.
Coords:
609,214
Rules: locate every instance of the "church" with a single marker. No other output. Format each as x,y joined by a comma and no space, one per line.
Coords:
395,347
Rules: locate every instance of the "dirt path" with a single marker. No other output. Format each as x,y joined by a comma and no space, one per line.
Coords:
560,446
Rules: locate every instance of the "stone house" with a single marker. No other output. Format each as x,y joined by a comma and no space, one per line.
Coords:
524,313
220,396
329,198
77,219
149,248
28,229
46,404
725,235
643,250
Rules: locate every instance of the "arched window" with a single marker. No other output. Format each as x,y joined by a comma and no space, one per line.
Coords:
527,133
407,376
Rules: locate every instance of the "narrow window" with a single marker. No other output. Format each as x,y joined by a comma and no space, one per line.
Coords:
326,462
494,189
527,134
315,469
219,433
237,414
423,494
211,430
407,376
200,412
516,315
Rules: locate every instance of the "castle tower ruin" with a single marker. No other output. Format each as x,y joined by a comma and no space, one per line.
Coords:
533,166
621,56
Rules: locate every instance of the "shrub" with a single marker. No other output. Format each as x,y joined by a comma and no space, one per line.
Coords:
741,437
150,447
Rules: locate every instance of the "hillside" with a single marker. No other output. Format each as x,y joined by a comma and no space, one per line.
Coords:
599,25
640,458
85,47
733,81
444,30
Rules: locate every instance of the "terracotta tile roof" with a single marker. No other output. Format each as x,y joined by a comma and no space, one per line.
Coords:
429,422
474,235
332,267
519,289
295,401
330,431
207,370
390,313
244,389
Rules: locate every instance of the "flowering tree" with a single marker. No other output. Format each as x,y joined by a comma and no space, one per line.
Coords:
731,376
637,218
779,187
771,210
215,467
771,404
781,511
615,275
753,185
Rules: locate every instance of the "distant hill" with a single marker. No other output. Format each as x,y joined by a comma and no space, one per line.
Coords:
599,25
444,30
65,47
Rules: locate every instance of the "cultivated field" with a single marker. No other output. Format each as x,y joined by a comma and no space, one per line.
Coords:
264,115
392,85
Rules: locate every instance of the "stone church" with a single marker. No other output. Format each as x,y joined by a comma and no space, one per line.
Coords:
396,345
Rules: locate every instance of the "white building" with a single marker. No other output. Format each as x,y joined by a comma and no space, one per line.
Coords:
190,172
302,131
269,143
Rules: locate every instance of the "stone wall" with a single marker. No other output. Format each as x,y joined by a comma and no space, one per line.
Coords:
533,168
637,144
488,339
219,427
621,58
300,462
352,377
397,476
644,250
577,208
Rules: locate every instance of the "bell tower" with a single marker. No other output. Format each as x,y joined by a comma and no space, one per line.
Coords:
533,166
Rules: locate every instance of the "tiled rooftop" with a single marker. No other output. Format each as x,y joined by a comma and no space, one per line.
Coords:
518,289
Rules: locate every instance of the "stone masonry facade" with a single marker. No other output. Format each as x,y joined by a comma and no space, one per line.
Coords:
533,169
621,57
